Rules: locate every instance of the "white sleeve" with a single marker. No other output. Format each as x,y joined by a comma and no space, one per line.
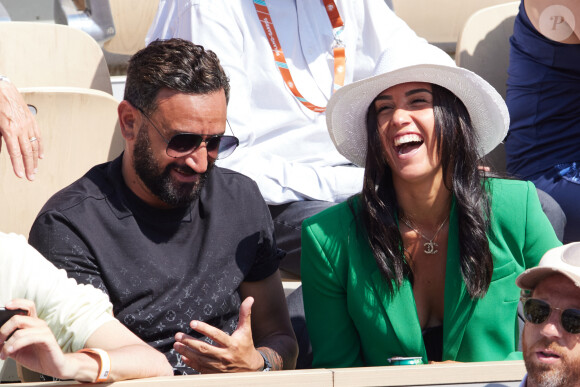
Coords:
380,29
164,21
72,311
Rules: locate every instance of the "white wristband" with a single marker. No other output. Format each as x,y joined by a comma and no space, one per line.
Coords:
104,363
4,78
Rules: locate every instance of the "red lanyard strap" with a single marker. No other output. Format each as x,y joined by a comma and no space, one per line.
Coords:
280,59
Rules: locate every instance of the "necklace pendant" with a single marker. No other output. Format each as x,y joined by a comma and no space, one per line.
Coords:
430,248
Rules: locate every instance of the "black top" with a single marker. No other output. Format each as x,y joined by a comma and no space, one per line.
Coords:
161,268
433,339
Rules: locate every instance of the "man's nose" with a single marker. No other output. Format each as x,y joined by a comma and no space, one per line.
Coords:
197,160
552,327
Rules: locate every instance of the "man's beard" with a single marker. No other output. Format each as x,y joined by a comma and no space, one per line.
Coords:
545,375
159,182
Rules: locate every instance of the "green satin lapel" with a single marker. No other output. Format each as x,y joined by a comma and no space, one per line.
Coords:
459,305
402,314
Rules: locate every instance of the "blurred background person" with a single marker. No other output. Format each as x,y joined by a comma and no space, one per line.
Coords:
543,142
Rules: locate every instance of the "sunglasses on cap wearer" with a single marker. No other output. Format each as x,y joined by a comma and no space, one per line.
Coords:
537,311
218,146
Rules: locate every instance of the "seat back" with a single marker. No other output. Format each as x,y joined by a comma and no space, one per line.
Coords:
440,21
79,129
132,20
44,54
483,45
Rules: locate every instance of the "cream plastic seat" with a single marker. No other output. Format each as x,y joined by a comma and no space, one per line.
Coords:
483,47
79,129
132,19
48,55
439,21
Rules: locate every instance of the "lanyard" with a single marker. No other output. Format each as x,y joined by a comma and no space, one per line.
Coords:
280,59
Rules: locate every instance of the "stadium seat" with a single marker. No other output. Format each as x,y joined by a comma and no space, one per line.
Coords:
132,20
48,55
440,21
79,129
483,47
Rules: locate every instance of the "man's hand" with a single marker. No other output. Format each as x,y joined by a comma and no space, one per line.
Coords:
31,342
20,131
235,353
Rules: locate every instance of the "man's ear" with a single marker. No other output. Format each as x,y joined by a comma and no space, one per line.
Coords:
128,120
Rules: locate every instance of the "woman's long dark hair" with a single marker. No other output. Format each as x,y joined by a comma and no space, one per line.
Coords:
457,144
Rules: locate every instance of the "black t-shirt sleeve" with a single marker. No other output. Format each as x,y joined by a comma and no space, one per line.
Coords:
268,256
267,260
55,238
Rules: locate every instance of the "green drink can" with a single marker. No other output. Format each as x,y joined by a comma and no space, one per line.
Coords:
398,360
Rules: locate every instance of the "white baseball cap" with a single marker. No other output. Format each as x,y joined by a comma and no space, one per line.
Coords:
563,260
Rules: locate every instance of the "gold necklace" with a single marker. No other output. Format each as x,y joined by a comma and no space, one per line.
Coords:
430,246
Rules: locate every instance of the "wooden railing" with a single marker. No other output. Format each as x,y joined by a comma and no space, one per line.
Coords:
507,373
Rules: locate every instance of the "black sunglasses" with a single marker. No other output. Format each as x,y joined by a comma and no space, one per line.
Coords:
537,311
218,146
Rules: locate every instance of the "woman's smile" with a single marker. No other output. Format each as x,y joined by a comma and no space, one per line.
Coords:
407,144
407,126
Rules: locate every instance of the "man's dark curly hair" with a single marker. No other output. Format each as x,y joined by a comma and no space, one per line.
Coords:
175,64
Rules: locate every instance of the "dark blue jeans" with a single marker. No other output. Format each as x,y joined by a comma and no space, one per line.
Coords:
565,190
288,219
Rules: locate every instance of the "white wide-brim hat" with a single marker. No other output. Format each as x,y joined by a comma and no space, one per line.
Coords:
347,109
563,260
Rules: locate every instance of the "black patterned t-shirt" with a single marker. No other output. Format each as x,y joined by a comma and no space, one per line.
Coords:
161,268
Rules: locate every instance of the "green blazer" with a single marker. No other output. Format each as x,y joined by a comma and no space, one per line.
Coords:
352,320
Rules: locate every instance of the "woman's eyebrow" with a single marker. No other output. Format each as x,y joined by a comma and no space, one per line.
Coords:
408,93
415,91
382,97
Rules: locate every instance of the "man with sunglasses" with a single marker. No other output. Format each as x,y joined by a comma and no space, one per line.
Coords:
285,59
185,249
551,337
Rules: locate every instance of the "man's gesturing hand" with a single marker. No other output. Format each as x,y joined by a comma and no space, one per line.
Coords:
235,353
